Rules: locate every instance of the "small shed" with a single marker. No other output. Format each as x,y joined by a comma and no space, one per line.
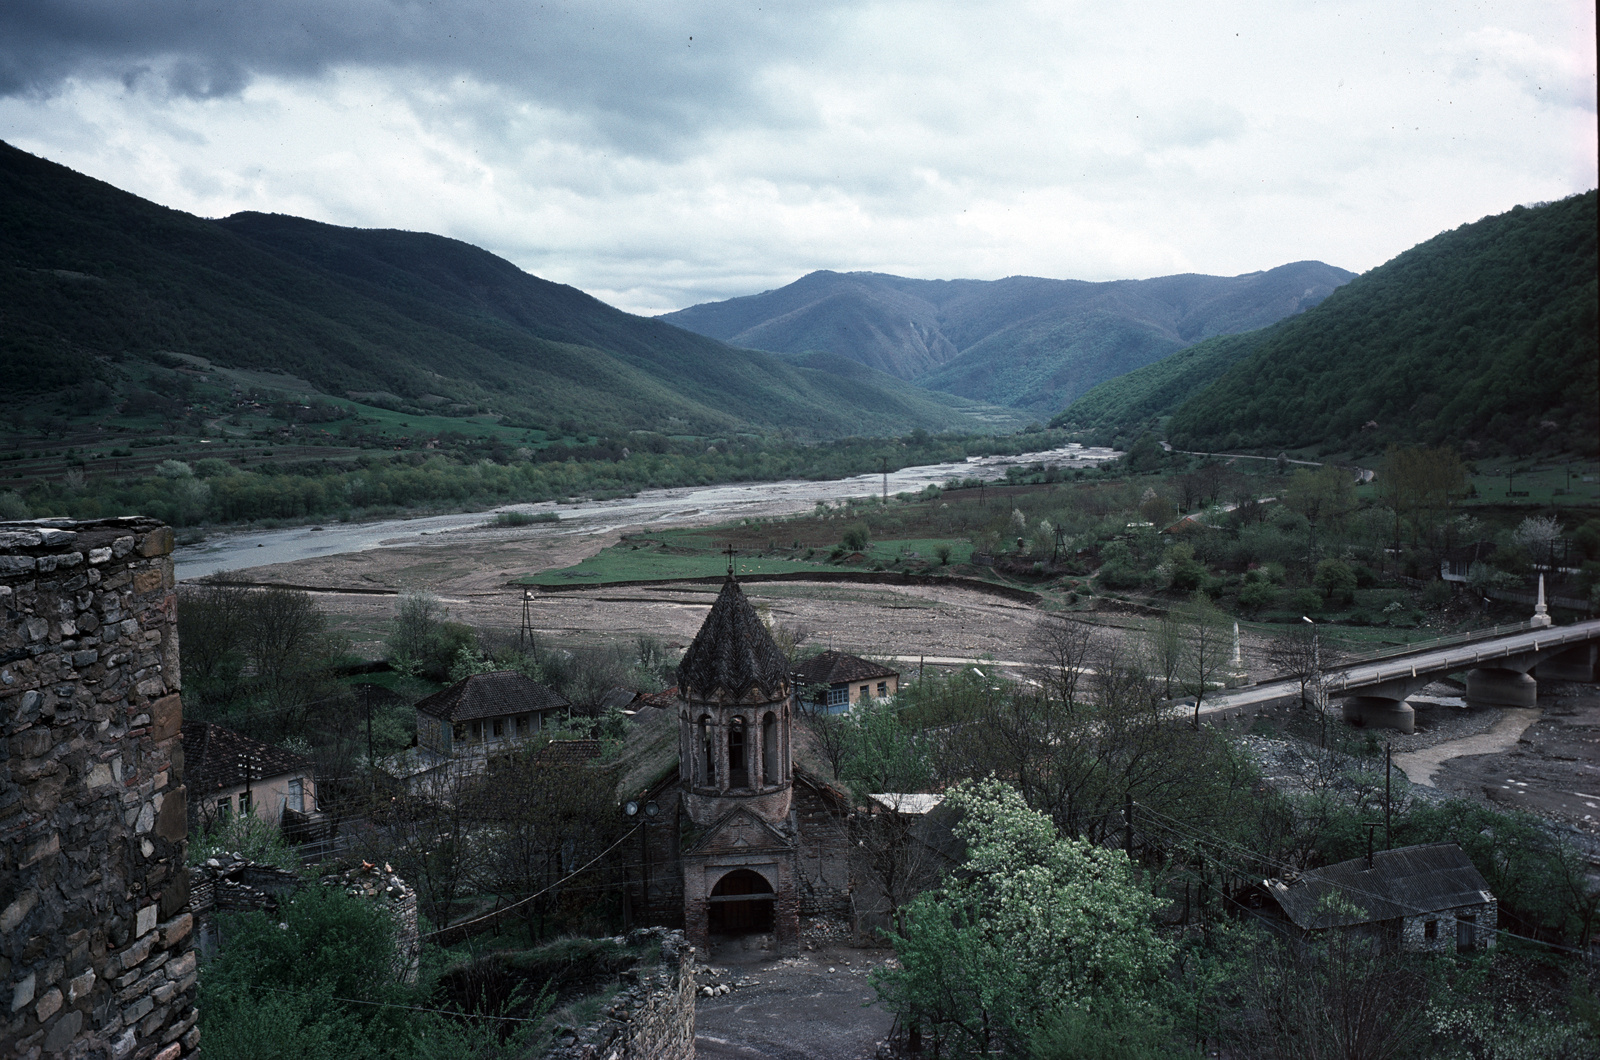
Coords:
479,714
846,679
1427,898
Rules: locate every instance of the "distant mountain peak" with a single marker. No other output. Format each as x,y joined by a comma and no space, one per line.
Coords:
1025,341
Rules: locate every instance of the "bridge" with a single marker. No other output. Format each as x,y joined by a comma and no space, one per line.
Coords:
1503,667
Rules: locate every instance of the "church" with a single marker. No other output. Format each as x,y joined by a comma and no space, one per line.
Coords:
737,838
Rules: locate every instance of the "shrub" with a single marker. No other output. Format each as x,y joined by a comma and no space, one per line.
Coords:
1256,594
1336,580
1306,601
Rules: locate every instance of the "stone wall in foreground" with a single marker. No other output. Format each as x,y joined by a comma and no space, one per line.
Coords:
97,956
652,1018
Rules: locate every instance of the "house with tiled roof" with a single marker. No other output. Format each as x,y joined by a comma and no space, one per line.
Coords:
840,681
1428,897
486,712
229,773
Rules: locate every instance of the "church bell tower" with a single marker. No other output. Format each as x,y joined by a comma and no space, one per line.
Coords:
734,717
740,861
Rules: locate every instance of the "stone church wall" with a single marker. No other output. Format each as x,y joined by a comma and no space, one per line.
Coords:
823,877
96,940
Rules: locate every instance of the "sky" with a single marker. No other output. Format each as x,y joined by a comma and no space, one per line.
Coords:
658,154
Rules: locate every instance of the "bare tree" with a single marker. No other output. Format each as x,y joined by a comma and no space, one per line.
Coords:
1065,646
1300,654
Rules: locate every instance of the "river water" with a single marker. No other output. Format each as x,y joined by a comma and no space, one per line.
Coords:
687,506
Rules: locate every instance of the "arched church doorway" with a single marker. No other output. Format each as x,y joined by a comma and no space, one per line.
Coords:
741,904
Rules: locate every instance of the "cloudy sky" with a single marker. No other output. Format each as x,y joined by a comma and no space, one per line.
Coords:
658,154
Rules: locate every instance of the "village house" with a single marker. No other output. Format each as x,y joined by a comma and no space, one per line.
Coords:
484,713
843,680
231,774
1427,898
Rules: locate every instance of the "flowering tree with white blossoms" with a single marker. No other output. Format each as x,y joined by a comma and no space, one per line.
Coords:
1031,924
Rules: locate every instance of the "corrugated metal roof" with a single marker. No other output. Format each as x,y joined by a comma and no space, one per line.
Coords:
733,653
491,695
835,667
1410,881
215,758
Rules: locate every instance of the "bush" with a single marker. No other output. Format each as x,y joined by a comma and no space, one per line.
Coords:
524,518
1336,580
857,537
1256,594
1436,594
1306,601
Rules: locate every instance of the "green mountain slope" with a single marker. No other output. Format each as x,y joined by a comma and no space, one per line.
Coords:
1033,344
1141,399
1485,337
90,276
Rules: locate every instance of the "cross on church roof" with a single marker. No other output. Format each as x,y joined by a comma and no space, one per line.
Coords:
729,553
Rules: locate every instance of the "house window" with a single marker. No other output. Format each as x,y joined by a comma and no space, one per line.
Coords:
883,689
244,803
496,724
838,697
297,795
1430,929
864,691
225,807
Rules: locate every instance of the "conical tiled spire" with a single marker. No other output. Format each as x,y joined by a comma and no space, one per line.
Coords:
733,653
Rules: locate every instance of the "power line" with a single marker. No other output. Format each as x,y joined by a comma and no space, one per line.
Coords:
536,894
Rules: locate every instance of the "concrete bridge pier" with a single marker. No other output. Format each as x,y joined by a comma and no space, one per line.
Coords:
1581,663
1501,687
1508,683
1384,706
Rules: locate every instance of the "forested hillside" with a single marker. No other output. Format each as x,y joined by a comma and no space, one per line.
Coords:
1026,342
1485,337
94,282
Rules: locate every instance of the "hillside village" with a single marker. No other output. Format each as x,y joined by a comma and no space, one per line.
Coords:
571,636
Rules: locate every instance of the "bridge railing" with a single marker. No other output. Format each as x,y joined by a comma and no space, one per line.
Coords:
1436,642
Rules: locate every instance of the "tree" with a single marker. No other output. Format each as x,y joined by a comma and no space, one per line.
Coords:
1420,484
1324,497
1539,535
1065,646
883,759
1335,579
1207,648
1032,923
1299,653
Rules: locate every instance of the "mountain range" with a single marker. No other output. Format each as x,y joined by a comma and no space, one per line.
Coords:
1029,343
91,277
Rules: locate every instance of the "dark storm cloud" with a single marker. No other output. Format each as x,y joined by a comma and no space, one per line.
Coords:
635,71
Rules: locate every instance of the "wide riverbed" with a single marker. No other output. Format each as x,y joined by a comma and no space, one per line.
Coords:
254,548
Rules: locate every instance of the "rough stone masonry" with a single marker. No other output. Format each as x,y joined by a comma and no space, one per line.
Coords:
96,938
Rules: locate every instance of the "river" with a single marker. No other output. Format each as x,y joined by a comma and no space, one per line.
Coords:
232,550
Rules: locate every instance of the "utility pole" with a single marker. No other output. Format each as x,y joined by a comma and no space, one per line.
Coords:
1388,781
1318,692
525,634
366,701
1127,825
